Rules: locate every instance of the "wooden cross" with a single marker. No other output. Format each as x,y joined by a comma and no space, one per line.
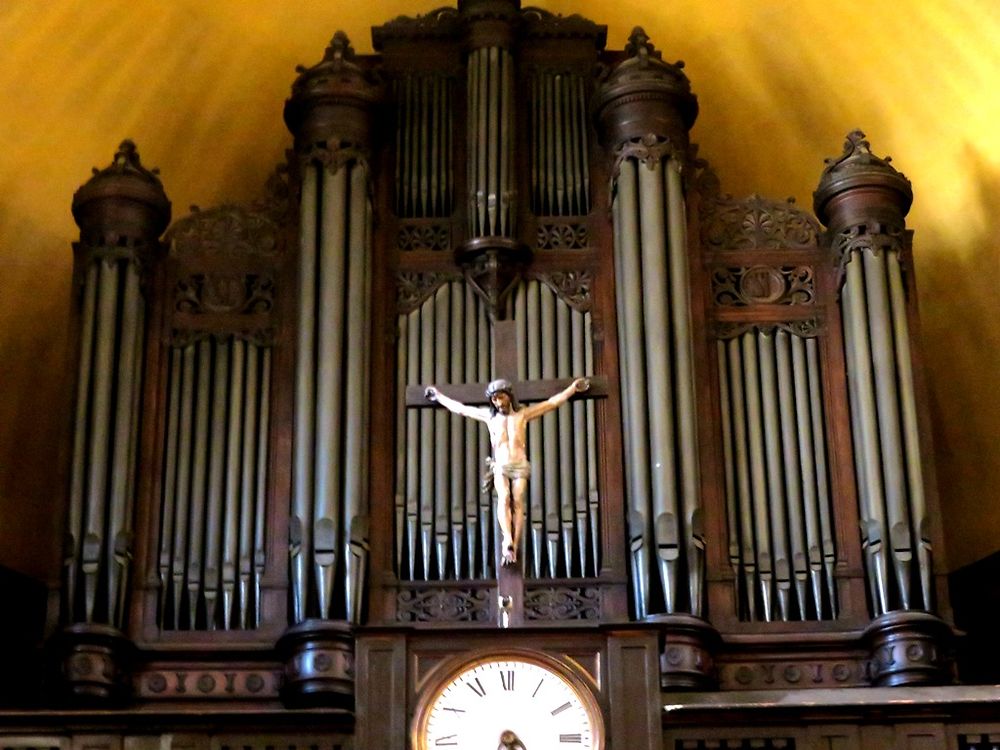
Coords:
510,579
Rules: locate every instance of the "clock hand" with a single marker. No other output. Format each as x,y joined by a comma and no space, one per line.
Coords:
510,741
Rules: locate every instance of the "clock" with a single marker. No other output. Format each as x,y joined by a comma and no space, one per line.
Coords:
510,701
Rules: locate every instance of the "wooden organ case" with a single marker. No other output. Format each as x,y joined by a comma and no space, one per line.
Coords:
274,539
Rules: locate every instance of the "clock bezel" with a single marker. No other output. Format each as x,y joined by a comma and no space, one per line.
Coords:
581,683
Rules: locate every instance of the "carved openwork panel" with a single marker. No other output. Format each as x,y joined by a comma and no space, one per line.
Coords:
431,604
740,286
756,223
560,603
222,273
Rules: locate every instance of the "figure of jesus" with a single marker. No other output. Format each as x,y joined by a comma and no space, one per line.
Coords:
507,422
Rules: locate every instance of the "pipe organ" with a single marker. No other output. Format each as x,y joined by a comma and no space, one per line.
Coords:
261,493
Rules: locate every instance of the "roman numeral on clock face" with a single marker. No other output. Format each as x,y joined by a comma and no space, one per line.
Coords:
560,709
507,679
571,738
477,688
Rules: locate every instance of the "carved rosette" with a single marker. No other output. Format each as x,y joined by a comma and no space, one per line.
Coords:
756,222
687,652
793,674
744,286
443,605
909,648
423,236
319,664
94,663
562,235
165,681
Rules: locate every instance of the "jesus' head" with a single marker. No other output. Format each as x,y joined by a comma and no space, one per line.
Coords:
501,397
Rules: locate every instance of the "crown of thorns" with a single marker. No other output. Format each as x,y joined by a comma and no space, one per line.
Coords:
500,385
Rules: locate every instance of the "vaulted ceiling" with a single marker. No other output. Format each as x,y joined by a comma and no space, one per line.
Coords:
200,86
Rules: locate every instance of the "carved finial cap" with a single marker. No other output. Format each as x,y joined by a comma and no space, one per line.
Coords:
125,181
644,94
857,168
338,80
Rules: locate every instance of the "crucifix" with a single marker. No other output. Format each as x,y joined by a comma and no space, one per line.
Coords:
506,421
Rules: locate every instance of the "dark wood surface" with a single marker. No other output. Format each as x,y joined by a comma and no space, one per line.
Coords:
233,682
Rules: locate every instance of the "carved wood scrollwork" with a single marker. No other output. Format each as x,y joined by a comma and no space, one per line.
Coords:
649,149
443,605
414,287
763,285
228,230
558,603
806,328
756,222
333,156
572,287
874,237
240,294
244,241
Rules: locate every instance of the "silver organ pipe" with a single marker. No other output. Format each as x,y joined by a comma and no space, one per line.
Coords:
558,144
328,537
214,484
884,426
632,364
105,438
458,352
491,139
774,450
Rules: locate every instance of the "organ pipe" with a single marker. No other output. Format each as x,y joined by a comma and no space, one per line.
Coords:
300,532
490,135
777,500
212,536
454,336
632,361
121,212
329,525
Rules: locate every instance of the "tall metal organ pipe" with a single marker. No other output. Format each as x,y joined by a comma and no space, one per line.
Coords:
863,199
113,253
648,147
328,537
490,128
658,378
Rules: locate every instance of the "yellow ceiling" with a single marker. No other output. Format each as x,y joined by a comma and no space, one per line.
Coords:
200,87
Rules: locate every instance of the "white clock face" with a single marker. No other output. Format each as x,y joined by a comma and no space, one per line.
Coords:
510,704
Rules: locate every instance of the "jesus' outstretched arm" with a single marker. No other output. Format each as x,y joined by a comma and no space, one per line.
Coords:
434,395
542,407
